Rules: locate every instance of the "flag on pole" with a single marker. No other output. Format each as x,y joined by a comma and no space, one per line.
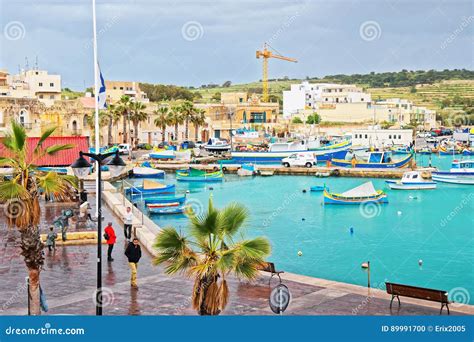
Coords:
102,97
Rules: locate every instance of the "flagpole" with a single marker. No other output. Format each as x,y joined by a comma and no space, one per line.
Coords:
97,171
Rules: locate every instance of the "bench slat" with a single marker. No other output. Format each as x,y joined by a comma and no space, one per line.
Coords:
417,292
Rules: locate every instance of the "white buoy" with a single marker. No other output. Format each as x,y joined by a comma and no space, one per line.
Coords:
300,253
420,262
364,265
399,213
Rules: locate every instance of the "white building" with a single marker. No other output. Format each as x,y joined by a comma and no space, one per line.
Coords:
35,84
405,112
315,95
379,138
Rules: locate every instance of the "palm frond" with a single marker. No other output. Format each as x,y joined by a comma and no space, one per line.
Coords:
258,247
18,135
233,218
43,137
52,150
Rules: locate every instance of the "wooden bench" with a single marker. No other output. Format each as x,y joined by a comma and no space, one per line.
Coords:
270,267
433,295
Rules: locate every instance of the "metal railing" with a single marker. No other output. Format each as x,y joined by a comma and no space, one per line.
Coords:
76,132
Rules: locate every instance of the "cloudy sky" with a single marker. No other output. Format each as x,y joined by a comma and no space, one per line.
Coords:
211,41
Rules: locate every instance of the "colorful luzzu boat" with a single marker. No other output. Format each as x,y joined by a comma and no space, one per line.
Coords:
461,172
376,160
364,193
195,175
167,210
166,201
411,180
278,151
147,172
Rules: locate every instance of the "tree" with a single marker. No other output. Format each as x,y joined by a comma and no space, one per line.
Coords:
210,253
296,120
313,119
226,84
176,119
216,96
163,119
198,120
104,119
123,107
137,115
188,111
22,192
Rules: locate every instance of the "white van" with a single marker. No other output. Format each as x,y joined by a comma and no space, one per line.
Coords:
307,159
124,149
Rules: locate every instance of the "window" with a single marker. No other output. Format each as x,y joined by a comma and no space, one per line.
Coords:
366,136
415,176
121,88
390,136
51,84
40,96
399,137
40,84
362,100
115,88
51,97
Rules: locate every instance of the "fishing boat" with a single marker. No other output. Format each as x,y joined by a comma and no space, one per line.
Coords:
163,154
277,151
195,175
375,160
411,180
166,201
247,170
468,152
322,174
461,172
364,193
147,172
401,150
424,151
217,145
59,170
169,210
317,188
150,188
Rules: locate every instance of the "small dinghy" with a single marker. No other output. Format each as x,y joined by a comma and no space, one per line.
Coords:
411,180
149,189
195,175
169,210
317,188
147,172
247,170
364,193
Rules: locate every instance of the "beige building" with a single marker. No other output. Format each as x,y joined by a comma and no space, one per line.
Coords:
34,83
238,110
116,89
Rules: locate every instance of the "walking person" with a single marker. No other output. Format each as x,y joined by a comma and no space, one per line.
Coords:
133,253
127,223
109,235
51,239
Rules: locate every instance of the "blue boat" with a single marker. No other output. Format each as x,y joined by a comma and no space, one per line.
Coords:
149,189
165,200
318,188
195,175
169,210
60,170
147,172
165,154
376,160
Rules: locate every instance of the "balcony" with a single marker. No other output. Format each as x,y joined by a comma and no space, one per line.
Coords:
27,125
76,132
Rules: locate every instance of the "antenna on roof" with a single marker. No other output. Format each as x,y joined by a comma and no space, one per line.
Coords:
36,62
26,63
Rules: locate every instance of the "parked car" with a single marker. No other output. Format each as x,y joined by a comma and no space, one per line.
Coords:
164,144
446,131
200,144
124,148
307,159
188,144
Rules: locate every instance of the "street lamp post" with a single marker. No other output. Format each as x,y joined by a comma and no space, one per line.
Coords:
81,168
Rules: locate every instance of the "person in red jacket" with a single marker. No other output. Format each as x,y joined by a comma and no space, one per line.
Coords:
109,234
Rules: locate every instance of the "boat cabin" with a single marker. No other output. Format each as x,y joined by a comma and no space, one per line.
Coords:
380,157
459,165
412,176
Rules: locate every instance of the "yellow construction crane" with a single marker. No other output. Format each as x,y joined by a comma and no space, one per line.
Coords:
266,54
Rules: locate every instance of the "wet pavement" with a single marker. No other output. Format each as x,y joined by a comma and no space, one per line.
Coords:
69,282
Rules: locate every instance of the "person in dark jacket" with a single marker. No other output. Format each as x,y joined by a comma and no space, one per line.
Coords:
133,253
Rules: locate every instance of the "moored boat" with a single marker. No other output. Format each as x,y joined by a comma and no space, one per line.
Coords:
217,145
247,170
150,188
147,172
376,160
195,175
164,154
165,201
317,188
168,210
411,180
364,193
461,172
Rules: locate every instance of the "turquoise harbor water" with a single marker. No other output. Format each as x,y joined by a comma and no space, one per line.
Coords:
436,226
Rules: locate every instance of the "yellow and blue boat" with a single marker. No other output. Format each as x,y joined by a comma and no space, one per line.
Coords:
195,175
364,193
376,160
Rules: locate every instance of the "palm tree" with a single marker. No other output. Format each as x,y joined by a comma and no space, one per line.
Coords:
163,119
198,120
188,111
137,115
113,117
21,195
176,119
211,253
104,119
123,107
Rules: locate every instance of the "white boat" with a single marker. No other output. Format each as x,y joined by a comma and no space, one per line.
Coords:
147,172
247,170
217,145
461,172
411,180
